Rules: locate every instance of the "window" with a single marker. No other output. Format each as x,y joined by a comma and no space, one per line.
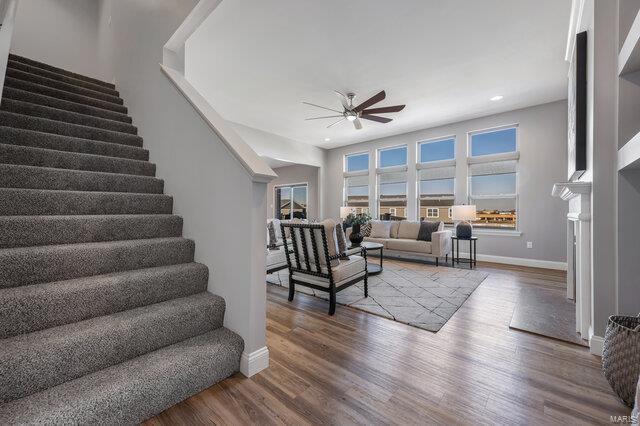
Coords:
493,165
356,182
437,150
392,183
436,179
291,202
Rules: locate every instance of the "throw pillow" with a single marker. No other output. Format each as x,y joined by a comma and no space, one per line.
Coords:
365,230
426,229
342,238
380,229
273,239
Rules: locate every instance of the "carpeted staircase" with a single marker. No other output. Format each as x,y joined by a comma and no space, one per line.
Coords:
104,315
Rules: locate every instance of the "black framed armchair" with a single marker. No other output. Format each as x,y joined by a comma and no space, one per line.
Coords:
314,260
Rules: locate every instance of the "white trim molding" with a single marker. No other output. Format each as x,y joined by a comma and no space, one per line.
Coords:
254,362
596,344
8,11
520,261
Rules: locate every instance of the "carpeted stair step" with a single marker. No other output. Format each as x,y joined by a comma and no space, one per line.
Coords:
35,110
35,361
28,122
21,66
135,390
33,177
29,156
26,231
41,264
36,307
35,98
49,202
51,68
61,94
32,138
55,84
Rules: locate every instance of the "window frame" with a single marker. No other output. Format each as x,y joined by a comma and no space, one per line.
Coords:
391,169
346,175
434,140
490,158
290,186
436,164
352,154
430,211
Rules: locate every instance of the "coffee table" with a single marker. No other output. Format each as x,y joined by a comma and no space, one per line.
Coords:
367,246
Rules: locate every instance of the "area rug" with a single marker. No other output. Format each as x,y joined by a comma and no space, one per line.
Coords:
425,298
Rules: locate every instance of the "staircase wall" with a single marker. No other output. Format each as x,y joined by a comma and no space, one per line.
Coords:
223,209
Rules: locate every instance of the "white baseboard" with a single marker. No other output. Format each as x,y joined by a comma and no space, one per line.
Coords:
254,362
534,263
595,345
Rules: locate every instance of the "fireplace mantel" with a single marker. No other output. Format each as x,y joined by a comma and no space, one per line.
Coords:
568,190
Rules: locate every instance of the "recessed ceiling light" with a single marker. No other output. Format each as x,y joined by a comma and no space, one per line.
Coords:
327,139
497,98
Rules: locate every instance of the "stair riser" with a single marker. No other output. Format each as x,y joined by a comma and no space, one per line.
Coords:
34,265
51,68
30,177
136,390
34,98
27,231
61,94
42,202
23,137
28,156
9,119
26,108
34,78
20,66
32,308
68,352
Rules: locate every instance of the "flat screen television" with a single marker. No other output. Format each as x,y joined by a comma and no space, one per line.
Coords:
577,114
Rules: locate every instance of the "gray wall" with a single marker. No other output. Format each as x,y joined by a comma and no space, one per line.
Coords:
542,136
62,33
296,174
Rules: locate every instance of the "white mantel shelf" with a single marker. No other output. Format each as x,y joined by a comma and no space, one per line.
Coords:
568,190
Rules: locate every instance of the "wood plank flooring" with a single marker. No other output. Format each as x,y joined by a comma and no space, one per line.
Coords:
357,368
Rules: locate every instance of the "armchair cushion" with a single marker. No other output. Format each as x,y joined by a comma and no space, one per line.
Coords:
346,271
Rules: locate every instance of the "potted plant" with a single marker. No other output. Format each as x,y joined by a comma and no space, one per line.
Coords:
356,221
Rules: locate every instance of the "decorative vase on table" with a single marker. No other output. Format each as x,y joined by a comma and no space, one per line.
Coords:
355,237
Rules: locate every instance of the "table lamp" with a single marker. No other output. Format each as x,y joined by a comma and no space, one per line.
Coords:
463,214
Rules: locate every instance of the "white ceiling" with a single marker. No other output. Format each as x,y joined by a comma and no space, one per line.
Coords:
257,60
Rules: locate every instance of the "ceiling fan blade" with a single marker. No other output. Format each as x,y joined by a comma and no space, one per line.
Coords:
372,100
376,118
383,110
339,121
326,116
319,106
344,100
357,124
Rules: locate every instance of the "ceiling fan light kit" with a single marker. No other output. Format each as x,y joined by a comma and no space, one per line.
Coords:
355,113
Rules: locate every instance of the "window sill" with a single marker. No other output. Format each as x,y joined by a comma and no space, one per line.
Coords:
496,232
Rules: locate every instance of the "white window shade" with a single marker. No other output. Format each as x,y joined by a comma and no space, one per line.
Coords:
387,178
493,168
437,173
355,181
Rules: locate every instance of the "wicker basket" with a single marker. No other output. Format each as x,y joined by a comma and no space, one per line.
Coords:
621,356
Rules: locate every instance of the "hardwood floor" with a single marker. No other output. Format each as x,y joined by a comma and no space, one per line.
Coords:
356,368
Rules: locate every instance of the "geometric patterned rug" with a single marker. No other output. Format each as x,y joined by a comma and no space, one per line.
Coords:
422,298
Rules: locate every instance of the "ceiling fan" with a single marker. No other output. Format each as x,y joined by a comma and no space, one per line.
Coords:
355,113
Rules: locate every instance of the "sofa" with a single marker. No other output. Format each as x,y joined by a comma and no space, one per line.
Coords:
403,242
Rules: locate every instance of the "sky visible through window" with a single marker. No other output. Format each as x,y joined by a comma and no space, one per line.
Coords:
393,157
437,150
495,142
357,162
502,184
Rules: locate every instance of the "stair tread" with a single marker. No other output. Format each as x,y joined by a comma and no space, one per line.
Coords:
71,117
30,308
134,390
43,157
35,361
37,177
60,77
32,62
41,89
44,81
46,125
28,231
38,264
28,137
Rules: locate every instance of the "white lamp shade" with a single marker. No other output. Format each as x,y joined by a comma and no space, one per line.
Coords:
463,213
345,211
